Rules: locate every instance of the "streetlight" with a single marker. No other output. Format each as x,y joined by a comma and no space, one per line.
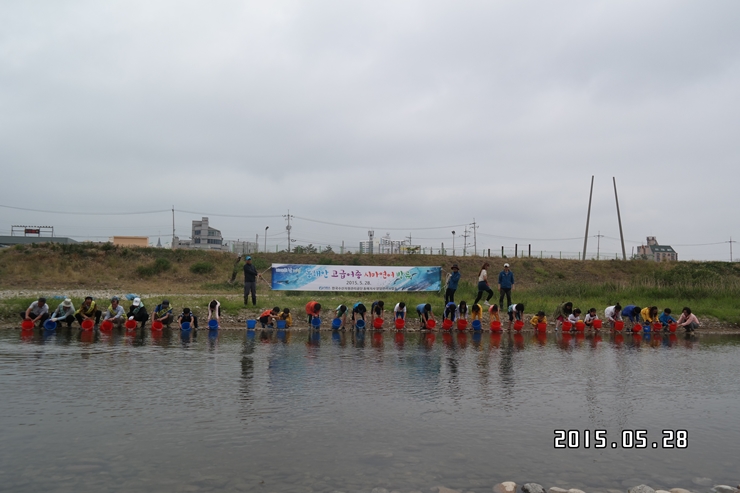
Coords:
453,243
266,228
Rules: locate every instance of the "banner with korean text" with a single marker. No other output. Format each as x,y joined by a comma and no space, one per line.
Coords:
306,277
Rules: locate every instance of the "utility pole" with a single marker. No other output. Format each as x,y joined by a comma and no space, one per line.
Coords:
598,245
731,242
173,226
588,218
475,240
288,228
453,243
619,218
465,242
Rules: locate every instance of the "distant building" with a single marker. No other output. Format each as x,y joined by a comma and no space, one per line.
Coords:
243,247
203,237
655,252
386,245
134,241
27,240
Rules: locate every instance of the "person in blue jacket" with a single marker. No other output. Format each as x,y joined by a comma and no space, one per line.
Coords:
452,280
632,312
505,285
666,318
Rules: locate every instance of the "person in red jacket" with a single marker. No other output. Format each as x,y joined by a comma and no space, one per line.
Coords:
268,317
313,309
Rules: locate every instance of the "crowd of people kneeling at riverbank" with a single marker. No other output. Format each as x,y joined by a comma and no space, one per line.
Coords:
566,317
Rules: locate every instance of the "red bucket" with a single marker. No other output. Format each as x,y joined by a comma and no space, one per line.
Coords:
378,323
597,324
672,327
87,324
157,325
567,326
618,325
542,327
636,328
400,323
446,324
657,326
496,325
130,324
27,325
462,324
518,325
431,323
106,325
580,326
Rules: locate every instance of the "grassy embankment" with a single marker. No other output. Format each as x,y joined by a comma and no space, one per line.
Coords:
192,278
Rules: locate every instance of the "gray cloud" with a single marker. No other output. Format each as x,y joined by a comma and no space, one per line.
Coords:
376,113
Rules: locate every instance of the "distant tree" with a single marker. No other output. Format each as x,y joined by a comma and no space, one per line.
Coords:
328,249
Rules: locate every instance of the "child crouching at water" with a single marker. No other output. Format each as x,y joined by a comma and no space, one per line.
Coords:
267,317
214,311
313,310
666,318
424,311
493,314
590,317
462,310
516,312
540,318
287,317
575,317
450,311
476,312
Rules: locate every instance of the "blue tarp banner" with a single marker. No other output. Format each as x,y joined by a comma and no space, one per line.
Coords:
307,277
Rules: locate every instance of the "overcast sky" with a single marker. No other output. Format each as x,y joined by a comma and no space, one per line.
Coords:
383,114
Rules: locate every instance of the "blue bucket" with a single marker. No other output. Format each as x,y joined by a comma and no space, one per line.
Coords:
50,325
251,324
281,324
336,323
646,328
476,324
185,326
360,324
316,322
213,324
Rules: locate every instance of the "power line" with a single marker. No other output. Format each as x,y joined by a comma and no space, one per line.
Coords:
373,227
245,216
84,213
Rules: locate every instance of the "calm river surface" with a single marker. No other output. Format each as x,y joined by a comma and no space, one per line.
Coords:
302,411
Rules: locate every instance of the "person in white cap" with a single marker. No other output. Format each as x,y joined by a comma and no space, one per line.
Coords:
65,312
137,311
505,285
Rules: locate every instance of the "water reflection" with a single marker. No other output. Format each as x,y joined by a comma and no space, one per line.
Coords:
381,403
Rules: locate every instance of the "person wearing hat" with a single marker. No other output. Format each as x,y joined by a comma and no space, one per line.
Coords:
453,279
115,314
137,311
65,312
250,281
38,311
163,313
88,309
505,285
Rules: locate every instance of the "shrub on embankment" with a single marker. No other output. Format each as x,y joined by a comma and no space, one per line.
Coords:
541,283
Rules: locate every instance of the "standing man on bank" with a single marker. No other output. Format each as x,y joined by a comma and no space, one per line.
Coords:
505,285
250,281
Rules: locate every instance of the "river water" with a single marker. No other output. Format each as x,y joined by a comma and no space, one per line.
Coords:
309,411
